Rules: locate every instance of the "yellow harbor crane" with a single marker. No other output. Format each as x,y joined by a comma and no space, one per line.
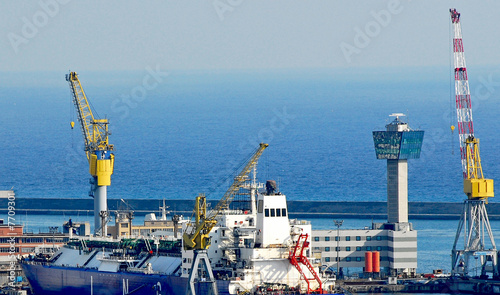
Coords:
196,236
98,150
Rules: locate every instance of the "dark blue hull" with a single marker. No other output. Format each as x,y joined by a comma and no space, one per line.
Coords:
47,280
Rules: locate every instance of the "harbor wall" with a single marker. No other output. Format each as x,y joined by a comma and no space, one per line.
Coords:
302,209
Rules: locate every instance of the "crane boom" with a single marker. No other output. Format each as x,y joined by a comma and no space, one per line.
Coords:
198,237
475,185
93,137
97,149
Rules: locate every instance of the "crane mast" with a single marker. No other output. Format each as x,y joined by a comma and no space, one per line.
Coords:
196,236
97,149
474,222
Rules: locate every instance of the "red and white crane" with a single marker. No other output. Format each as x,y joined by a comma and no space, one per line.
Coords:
474,223
462,93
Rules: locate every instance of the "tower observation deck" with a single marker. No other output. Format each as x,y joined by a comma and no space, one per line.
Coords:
396,145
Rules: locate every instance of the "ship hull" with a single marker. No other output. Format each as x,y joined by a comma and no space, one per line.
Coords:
52,280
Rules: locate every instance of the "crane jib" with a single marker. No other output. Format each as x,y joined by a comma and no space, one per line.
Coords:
198,235
475,185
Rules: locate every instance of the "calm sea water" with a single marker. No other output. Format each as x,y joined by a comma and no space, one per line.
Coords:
189,134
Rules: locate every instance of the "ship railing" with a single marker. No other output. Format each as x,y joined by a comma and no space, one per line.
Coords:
119,258
299,222
142,270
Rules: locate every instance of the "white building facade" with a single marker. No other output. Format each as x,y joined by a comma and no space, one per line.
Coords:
396,243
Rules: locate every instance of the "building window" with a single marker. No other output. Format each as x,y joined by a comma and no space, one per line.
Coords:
327,239
5,250
337,248
337,239
379,238
347,238
358,238
316,239
368,238
273,212
267,212
337,258
28,250
368,248
379,248
327,249
327,259
358,258
348,259
348,248
358,248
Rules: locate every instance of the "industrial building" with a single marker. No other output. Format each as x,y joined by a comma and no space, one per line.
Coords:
389,248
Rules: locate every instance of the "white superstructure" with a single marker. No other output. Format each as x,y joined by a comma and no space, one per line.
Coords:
252,248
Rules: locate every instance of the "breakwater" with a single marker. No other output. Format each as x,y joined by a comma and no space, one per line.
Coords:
359,210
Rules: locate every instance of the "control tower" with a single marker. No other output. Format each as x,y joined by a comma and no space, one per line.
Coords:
396,145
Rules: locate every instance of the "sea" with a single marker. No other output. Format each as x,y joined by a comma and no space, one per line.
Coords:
180,133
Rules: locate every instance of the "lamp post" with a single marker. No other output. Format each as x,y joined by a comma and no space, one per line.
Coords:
53,230
338,224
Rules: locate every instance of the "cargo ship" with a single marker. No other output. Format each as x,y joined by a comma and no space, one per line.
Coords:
255,249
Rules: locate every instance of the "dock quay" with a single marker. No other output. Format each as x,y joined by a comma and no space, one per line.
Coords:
448,285
302,209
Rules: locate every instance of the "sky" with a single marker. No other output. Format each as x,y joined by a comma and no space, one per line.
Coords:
58,35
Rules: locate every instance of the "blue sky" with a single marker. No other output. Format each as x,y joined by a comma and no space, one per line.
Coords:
57,35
